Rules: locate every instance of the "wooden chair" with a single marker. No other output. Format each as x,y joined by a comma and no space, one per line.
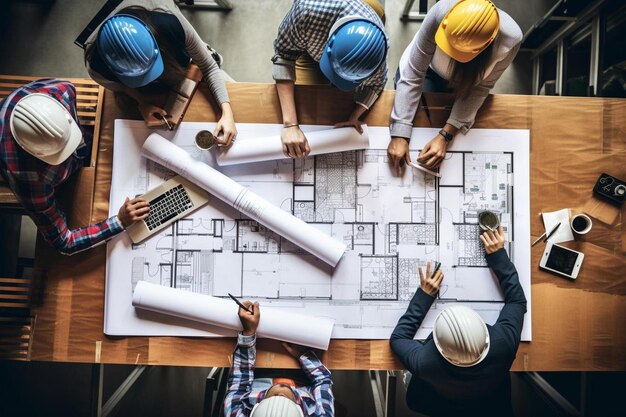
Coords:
89,96
16,322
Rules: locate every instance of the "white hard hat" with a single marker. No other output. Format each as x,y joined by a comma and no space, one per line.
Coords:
461,336
277,406
44,128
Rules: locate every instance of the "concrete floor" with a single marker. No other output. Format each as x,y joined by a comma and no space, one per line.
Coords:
36,36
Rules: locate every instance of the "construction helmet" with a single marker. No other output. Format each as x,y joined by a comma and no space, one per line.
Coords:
461,336
44,128
355,49
467,29
277,406
129,49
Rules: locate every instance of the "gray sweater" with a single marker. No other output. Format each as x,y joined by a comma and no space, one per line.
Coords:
423,52
196,49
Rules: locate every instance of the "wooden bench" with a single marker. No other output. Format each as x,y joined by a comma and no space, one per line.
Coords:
89,96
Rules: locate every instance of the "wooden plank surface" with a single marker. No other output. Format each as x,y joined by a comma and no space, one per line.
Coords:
577,325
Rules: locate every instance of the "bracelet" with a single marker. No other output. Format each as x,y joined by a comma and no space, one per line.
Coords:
291,125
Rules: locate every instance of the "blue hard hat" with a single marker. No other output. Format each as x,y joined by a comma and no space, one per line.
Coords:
129,50
355,50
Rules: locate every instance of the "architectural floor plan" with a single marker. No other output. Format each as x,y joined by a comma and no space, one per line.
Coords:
392,225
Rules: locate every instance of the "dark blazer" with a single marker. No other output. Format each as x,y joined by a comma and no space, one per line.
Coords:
439,388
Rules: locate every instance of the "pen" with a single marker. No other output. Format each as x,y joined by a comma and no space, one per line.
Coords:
553,231
548,235
167,122
436,268
239,303
421,168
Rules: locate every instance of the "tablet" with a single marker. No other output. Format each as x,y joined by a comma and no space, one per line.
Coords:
561,260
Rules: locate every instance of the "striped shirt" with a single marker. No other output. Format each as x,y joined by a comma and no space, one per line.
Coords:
35,183
305,29
315,399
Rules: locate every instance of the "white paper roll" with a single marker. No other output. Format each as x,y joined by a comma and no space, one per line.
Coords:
164,152
246,150
276,324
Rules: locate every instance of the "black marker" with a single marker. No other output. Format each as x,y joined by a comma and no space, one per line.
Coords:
239,303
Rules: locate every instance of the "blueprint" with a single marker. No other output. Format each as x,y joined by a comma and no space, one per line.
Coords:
391,225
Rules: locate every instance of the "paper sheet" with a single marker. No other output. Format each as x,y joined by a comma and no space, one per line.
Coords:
164,152
249,149
392,225
274,324
564,232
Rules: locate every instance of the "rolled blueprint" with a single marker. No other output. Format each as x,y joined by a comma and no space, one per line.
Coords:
314,241
275,323
244,151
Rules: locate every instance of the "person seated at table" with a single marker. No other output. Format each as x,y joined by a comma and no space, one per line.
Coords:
143,49
461,47
41,146
346,41
462,368
279,397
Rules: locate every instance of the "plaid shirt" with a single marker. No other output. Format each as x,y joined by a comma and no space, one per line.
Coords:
316,399
35,183
306,28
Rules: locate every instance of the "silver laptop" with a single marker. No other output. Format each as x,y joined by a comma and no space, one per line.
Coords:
170,201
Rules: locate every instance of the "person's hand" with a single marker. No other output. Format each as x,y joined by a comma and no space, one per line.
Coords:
153,115
493,241
355,123
430,283
295,144
295,350
249,321
133,210
398,153
225,132
433,153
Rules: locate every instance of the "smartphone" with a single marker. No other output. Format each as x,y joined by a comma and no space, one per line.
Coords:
561,260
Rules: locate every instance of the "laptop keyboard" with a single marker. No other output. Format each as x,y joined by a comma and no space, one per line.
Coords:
167,206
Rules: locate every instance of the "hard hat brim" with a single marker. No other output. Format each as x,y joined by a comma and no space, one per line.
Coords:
442,42
139,81
327,69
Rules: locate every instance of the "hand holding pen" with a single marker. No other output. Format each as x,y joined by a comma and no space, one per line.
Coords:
249,315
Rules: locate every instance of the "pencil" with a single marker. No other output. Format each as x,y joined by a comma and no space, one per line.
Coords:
239,303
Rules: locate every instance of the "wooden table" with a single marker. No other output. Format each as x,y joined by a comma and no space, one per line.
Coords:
577,325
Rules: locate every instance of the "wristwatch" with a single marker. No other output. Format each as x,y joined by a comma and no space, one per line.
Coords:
446,135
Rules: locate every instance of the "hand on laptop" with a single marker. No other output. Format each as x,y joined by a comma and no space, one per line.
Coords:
133,210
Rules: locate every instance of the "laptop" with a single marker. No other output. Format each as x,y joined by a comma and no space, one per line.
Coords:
170,201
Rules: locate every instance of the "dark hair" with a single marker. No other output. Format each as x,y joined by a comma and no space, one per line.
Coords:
173,72
465,76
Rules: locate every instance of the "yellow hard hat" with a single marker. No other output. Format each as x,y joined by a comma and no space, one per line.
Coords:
467,29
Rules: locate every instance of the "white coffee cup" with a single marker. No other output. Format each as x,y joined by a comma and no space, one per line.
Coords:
581,224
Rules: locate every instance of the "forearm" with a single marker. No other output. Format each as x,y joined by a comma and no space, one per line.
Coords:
286,96
227,110
358,111
411,320
464,110
70,241
507,275
321,378
241,376
200,54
